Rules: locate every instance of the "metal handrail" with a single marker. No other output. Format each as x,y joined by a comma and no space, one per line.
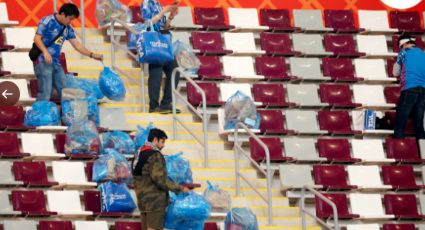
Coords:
115,44
238,149
204,116
83,22
304,211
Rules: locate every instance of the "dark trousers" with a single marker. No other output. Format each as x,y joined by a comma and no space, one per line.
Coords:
154,84
411,101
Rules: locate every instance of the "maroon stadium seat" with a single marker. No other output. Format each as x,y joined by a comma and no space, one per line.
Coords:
342,45
210,68
275,149
392,94
209,43
125,225
210,226
92,203
331,177
391,115
398,227
211,94
335,122
341,21
32,173
338,95
270,95
54,225
336,150
403,150
407,21
339,69
277,44
12,118
3,46
62,60
9,146
31,203
272,68
276,19
324,210
137,15
211,18
400,177
273,122
403,206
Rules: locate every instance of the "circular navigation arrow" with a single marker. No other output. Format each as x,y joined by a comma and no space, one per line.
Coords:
9,93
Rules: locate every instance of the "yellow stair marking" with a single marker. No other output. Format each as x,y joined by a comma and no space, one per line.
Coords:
224,169
142,114
98,68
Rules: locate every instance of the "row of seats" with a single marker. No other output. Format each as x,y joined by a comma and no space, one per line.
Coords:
68,225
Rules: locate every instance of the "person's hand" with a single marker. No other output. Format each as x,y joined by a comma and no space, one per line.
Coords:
170,8
98,57
47,57
174,13
185,190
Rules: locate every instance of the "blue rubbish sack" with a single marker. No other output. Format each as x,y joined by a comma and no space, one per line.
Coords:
240,108
132,38
116,198
219,199
74,106
119,141
154,47
93,109
82,138
111,84
241,217
111,166
178,169
91,87
185,57
42,113
142,135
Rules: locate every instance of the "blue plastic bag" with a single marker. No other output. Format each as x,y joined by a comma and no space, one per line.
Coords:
42,113
89,86
111,166
93,109
241,108
116,198
142,135
185,57
178,169
82,138
241,217
111,85
132,38
119,141
154,47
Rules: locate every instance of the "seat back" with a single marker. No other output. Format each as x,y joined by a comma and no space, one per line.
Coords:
408,21
211,226
21,38
391,115
302,121
399,175
275,18
238,66
61,173
55,225
273,144
368,149
182,36
11,116
363,227
335,93
330,175
370,69
368,205
272,121
207,41
271,67
340,43
338,68
126,225
334,121
401,149
136,14
4,17
19,225
308,19
334,149
92,201
306,68
30,172
308,43
292,175
301,148
373,20
392,94
364,176
211,93
372,44
275,43
89,225
401,204
62,60
243,17
210,66
339,19
9,144
31,201
324,210
25,65
418,41
229,89
209,16
37,143
369,95
184,18
390,65
398,227
269,94
64,201
5,205
239,42
6,176
304,95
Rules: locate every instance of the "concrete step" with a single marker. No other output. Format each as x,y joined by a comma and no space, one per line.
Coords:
231,182
122,63
245,201
221,163
71,53
223,172
195,152
281,227
285,221
244,191
153,117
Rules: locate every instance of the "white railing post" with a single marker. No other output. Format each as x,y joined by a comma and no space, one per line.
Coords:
83,23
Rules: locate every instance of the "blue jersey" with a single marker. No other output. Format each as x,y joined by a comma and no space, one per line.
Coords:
49,27
412,65
149,9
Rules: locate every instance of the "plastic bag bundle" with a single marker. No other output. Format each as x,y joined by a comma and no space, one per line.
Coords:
219,199
142,135
82,138
74,106
116,198
93,109
111,166
119,141
108,9
111,84
241,218
185,57
240,108
42,113
178,169
89,86
132,38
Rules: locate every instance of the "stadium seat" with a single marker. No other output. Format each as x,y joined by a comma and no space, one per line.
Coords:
370,96
211,94
6,177
302,149
20,37
390,65
408,21
341,45
336,122
276,20
210,68
369,150
362,227
272,122
368,206
184,19
3,45
372,70
418,40
324,210
337,95
309,20
398,227
209,43
309,44
229,89
403,206
294,176
374,46
39,145
277,44
335,150
182,36
62,59
5,204
19,225
303,121
392,94
245,19
4,17
275,149
211,18
306,69
272,68
60,141
126,225
341,21
9,146
33,85
66,203
24,67
304,95
375,21
331,177
90,225
22,84
403,150
240,68
210,226
409,130
54,225
78,177
270,95
30,203
92,203
241,43
137,16
340,69
400,177
366,177
12,118
32,173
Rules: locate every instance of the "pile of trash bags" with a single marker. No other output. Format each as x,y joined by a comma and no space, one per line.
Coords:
185,57
119,141
178,169
82,138
42,113
241,108
106,10
90,87
112,166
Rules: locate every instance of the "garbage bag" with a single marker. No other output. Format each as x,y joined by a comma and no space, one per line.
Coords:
111,166
178,169
93,109
89,86
106,10
219,199
132,38
240,108
142,135
241,217
111,84
42,113
119,141
185,57
82,138
74,106
116,198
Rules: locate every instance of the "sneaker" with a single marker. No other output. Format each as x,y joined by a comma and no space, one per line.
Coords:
156,110
168,110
